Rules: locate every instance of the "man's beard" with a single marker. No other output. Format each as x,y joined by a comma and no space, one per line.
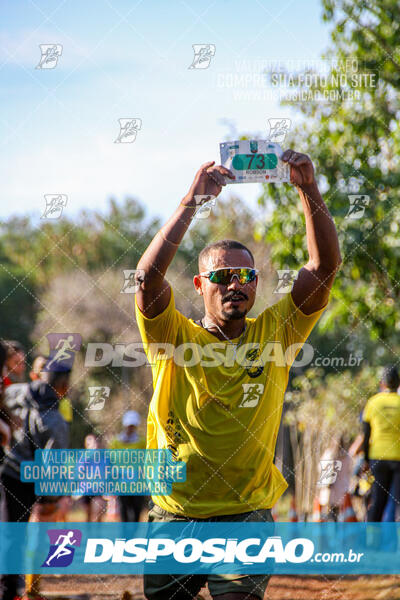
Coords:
234,315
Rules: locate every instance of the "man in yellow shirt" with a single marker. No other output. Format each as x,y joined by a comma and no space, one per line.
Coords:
219,383
381,424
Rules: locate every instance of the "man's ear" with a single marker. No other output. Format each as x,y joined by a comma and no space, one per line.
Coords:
197,284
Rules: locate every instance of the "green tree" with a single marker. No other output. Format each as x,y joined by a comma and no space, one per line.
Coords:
355,146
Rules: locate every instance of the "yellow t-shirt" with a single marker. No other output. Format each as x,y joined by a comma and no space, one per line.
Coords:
118,444
382,412
65,409
222,420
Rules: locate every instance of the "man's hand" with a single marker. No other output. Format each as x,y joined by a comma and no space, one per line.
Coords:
209,181
301,168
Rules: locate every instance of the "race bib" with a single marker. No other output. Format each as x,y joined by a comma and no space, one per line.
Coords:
254,161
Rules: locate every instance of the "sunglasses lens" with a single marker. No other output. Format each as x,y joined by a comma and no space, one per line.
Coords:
219,276
224,276
246,275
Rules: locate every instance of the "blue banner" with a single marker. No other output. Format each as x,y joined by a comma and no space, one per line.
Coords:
200,547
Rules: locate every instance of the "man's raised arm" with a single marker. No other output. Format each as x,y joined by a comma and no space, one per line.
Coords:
154,292
312,287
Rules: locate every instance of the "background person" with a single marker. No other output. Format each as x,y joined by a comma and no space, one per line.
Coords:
130,506
331,496
65,409
381,424
65,405
14,371
95,506
43,428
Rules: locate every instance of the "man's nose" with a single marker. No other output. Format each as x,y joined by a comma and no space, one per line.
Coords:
235,283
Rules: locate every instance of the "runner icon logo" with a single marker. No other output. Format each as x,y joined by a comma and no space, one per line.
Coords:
203,54
128,128
61,551
133,279
97,397
329,472
252,393
63,347
50,53
204,204
55,204
358,204
278,128
286,278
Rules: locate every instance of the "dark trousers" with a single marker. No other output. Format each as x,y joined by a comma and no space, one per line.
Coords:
130,507
17,501
387,479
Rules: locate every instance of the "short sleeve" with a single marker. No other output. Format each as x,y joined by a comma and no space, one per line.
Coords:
65,409
293,326
366,416
162,328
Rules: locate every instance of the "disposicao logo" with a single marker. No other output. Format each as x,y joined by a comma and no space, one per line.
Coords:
62,547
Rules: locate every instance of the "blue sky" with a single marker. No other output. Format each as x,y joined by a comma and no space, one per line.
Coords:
125,58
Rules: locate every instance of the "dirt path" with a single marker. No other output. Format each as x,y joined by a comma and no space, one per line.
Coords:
110,587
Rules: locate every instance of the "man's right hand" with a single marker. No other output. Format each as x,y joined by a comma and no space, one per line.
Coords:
154,293
209,181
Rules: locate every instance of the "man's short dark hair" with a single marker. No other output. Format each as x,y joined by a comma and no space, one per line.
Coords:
391,378
224,245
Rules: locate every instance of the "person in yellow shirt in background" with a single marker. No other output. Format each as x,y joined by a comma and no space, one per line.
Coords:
221,415
381,424
130,507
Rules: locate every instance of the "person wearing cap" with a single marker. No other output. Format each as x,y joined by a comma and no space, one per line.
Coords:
381,424
129,438
65,405
95,507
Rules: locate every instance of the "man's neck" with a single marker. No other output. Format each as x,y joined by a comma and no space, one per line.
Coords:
232,328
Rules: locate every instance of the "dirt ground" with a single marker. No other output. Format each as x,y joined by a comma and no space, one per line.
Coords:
110,587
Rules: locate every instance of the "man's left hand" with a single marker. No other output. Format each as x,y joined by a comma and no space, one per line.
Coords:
301,168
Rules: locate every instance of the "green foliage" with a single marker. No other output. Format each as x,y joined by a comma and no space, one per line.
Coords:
355,147
17,294
89,242
33,255
327,404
